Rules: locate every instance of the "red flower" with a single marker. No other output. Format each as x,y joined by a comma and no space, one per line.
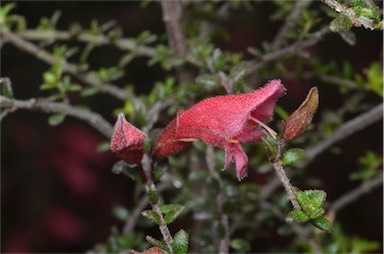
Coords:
127,141
225,121
167,144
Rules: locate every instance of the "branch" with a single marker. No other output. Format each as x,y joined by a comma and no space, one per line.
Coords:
146,169
282,176
123,43
351,196
47,57
94,119
352,126
293,49
172,12
224,241
289,22
343,10
131,223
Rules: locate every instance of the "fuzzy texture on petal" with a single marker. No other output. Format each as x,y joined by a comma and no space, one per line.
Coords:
218,119
127,141
167,145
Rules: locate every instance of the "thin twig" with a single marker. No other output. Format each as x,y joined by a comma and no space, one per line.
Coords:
295,48
289,22
343,10
147,170
154,113
352,126
356,124
47,57
280,172
223,242
122,43
132,221
94,119
351,196
172,13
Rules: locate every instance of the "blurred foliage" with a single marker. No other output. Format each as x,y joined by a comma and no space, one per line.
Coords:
190,203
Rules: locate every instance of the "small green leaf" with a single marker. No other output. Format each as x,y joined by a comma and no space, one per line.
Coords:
6,87
240,245
156,243
49,78
103,147
56,119
180,242
341,24
323,224
297,216
311,201
120,213
172,212
292,156
153,216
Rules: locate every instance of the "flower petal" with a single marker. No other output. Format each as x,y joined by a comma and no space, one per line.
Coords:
241,160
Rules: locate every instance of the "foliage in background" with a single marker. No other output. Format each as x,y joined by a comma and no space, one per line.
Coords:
196,206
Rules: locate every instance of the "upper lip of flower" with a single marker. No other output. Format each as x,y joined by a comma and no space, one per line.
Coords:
222,119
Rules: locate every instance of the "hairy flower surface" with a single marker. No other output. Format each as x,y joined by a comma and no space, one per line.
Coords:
225,121
167,144
127,141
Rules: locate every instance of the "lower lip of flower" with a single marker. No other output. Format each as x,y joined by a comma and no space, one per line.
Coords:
268,129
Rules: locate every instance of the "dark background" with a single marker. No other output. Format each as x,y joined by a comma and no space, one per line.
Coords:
57,192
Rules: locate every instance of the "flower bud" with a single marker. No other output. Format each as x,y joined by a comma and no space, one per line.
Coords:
302,117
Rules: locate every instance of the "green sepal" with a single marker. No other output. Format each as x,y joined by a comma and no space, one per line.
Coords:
270,145
171,212
297,216
153,216
323,224
180,242
292,156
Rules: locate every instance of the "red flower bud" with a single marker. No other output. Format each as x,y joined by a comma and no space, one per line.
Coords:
302,117
127,141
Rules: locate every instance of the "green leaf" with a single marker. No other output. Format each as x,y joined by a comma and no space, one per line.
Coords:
153,216
240,245
120,213
6,87
323,224
103,147
156,243
171,212
49,78
297,216
89,91
311,201
180,242
292,156
341,24
56,119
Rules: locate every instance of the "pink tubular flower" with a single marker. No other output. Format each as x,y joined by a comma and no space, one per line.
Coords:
127,141
225,121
